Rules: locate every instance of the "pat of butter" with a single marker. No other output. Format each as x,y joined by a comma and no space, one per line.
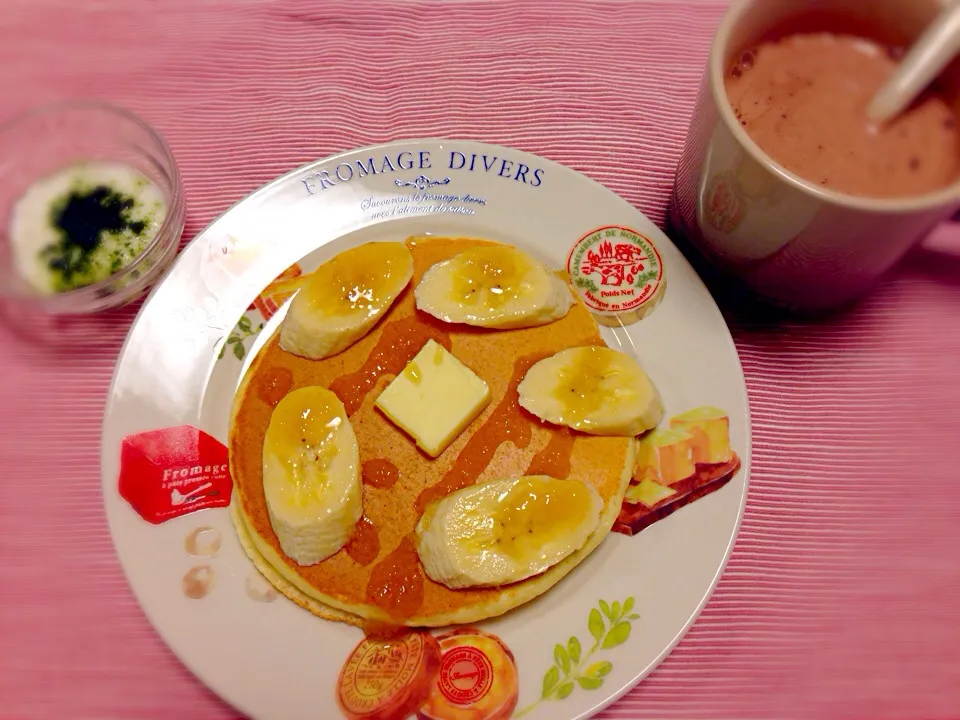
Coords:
434,398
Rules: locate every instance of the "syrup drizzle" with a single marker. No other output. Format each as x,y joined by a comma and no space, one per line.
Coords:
364,546
554,459
396,582
380,473
399,342
274,384
506,423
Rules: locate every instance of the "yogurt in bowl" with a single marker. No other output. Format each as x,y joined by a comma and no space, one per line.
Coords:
91,212
83,224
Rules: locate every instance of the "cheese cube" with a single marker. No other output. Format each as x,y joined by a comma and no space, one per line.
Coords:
648,459
665,456
710,428
434,398
648,492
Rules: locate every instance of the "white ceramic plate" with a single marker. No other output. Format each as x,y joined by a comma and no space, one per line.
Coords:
274,660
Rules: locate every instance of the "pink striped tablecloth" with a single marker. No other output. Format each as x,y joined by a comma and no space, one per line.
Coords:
842,595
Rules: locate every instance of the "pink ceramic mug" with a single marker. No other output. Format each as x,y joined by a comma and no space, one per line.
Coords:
792,242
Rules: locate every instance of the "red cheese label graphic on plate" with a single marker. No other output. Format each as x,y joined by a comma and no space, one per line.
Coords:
465,675
272,298
477,679
388,679
173,471
618,273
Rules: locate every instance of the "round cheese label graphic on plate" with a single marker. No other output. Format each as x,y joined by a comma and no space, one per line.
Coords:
466,675
618,273
477,678
386,679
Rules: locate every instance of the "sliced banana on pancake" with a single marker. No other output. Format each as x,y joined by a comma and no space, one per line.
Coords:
344,298
595,390
311,475
493,286
503,531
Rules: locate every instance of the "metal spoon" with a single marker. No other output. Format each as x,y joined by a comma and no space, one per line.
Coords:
927,58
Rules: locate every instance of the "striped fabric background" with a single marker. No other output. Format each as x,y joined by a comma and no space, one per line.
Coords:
842,597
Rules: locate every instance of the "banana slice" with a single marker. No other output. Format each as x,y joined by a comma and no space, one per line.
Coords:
503,531
344,298
593,389
311,475
494,286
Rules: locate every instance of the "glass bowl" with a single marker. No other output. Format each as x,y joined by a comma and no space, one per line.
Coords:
51,138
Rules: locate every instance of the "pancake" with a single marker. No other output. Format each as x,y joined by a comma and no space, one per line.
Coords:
377,577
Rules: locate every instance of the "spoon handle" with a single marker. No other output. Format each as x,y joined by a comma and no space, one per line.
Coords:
926,59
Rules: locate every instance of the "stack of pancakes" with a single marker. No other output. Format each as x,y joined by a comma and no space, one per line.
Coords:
377,578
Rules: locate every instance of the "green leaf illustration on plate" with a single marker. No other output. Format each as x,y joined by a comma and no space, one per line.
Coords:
595,624
561,658
238,336
617,636
588,683
550,680
609,625
585,283
645,277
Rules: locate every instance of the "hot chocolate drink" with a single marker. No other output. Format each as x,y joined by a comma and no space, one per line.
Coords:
803,99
